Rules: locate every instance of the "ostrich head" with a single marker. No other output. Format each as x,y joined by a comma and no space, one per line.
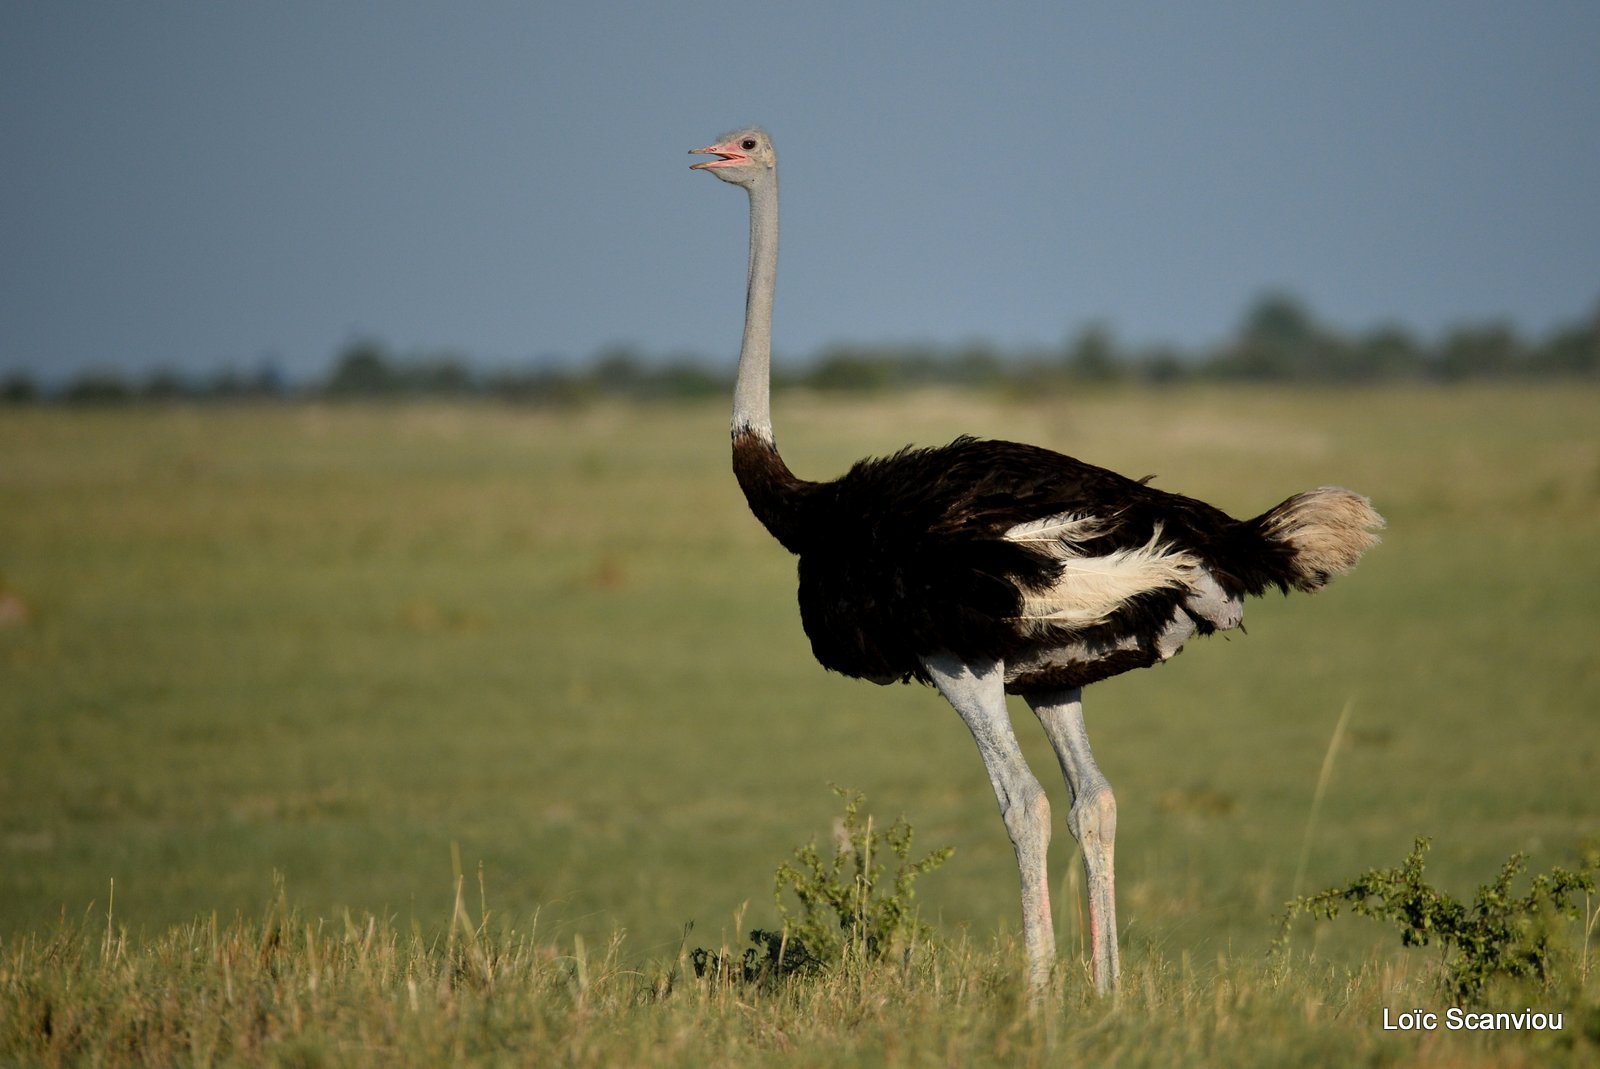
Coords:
744,157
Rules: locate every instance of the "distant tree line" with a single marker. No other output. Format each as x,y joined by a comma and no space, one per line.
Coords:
1278,340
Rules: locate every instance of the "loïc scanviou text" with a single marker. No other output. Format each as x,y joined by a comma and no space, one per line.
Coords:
1456,1019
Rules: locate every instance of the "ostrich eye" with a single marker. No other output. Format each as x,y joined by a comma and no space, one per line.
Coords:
748,143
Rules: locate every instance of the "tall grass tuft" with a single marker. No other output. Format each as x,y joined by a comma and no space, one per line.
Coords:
1316,796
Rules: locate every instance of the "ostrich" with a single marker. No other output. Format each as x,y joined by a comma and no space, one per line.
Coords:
988,567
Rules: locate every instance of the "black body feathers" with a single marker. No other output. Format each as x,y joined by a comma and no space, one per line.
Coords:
909,554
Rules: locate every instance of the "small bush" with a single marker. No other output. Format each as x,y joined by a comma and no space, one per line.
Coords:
1499,937
844,909
845,914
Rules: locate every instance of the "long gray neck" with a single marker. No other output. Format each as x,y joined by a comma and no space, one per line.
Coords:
752,401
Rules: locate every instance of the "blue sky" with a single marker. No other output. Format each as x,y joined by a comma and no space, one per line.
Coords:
195,185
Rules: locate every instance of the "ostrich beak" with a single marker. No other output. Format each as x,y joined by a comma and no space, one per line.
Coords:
728,157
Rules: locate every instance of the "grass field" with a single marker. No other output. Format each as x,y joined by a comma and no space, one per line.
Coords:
344,646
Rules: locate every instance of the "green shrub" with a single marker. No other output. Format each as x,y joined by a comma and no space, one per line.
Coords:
1500,936
844,910
845,914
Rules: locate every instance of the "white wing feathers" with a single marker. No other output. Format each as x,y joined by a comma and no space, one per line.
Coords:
1058,535
1092,588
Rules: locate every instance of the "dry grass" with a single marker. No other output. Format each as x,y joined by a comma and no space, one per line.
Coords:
291,990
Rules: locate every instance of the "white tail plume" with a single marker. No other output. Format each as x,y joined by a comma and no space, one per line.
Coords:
1328,529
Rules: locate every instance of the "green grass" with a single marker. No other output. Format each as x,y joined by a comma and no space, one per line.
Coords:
338,643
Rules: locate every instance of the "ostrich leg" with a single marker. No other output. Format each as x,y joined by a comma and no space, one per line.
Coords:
978,693
1092,821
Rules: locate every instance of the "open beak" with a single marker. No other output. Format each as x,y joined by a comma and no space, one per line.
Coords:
727,156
